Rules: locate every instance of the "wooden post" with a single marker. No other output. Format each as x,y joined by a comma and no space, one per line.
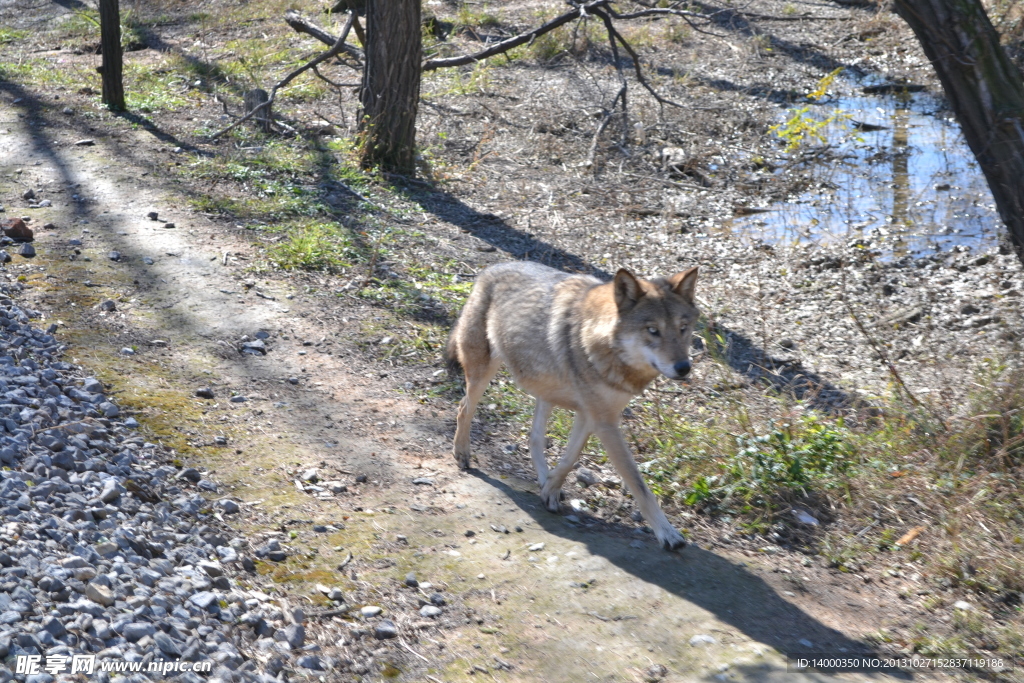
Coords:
254,98
110,47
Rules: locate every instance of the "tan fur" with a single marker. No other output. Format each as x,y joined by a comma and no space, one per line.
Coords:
575,342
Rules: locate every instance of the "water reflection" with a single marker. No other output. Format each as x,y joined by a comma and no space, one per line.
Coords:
905,184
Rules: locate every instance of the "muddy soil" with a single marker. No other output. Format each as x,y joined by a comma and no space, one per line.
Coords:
532,596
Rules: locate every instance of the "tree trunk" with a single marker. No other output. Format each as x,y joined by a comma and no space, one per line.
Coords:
110,47
986,91
391,85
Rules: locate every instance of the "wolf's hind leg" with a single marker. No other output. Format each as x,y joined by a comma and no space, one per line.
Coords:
478,376
551,492
538,439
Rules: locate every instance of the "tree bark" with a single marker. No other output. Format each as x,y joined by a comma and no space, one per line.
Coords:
985,90
110,47
391,85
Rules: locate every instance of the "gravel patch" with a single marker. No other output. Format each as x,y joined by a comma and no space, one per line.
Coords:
109,550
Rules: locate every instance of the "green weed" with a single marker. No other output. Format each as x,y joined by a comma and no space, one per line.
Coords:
315,246
779,464
802,128
10,35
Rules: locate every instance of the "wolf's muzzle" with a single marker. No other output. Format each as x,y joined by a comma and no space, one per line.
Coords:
682,369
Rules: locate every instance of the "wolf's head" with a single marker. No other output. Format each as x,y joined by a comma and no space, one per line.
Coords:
656,321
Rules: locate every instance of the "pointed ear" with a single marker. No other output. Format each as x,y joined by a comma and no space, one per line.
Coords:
684,284
627,289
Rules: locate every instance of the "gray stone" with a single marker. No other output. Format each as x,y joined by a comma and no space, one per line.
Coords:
99,594
166,644
52,625
311,662
294,635
212,569
204,599
430,611
255,348
385,630
587,477
137,630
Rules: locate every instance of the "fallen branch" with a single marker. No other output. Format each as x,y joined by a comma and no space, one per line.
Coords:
687,15
338,46
515,41
402,643
345,563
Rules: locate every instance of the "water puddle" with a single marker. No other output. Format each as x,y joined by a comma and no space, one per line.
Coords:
909,186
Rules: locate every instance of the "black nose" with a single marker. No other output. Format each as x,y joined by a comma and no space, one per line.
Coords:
682,368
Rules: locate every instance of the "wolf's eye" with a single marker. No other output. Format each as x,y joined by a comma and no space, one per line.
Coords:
654,331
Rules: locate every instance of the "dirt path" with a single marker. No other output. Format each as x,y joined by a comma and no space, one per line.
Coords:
553,598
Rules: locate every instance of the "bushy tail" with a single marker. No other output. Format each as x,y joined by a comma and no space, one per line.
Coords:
451,356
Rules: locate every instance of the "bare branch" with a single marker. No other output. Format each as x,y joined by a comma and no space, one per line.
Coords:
604,124
336,49
686,14
295,20
515,41
615,35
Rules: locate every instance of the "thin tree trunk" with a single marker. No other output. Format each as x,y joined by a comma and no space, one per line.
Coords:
986,91
110,47
391,85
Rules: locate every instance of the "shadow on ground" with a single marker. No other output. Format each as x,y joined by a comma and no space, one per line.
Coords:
727,590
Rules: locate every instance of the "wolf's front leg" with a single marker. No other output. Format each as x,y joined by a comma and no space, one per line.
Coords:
618,452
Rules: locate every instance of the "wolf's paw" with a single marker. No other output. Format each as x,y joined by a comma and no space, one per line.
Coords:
462,457
551,498
671,539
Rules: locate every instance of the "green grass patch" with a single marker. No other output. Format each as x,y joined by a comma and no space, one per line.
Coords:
10,35
150,88
45,72
326,246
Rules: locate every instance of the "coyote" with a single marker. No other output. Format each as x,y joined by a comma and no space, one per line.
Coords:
579,343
